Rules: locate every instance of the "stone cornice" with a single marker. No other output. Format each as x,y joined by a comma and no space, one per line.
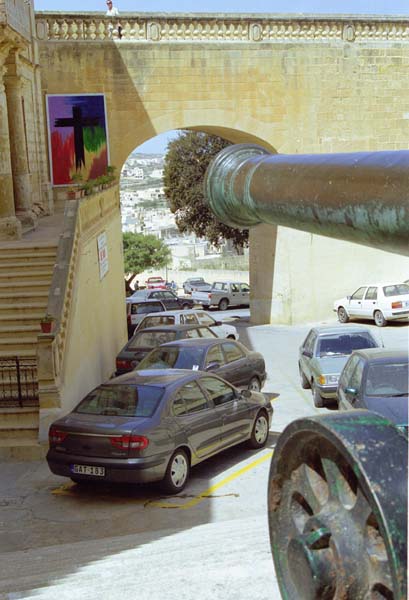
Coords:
166,27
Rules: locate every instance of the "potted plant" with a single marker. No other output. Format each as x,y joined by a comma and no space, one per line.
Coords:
75,192
46,323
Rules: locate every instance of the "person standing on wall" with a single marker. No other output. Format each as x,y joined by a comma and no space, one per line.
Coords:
113,12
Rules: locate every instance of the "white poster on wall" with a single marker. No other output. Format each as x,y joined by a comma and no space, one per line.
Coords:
102,254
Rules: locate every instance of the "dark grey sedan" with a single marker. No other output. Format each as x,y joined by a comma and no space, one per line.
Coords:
229,359
142,342
377,380
150,426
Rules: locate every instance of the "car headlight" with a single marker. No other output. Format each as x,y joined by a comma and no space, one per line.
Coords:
328,379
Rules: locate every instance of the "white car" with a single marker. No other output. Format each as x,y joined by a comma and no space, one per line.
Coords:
381,302
188,317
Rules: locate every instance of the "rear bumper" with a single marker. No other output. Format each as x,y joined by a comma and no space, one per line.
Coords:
130,470
395,315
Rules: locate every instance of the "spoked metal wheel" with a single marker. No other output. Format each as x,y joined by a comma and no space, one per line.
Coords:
338,508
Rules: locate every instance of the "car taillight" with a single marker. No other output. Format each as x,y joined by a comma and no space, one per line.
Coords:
129,442
128,319
396,304
123,364
56,436
209,295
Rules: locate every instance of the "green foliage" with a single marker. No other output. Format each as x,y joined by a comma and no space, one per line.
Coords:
143,252
185,166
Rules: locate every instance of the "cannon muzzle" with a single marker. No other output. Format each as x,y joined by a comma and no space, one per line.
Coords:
360,197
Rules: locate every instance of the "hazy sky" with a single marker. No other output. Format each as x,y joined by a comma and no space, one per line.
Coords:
396,7
368,7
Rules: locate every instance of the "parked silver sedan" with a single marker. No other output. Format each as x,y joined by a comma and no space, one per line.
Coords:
153,426
323,355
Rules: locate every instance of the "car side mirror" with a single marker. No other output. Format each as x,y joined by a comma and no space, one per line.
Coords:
349,297
351,391
307,353
246,394
216,324
213,365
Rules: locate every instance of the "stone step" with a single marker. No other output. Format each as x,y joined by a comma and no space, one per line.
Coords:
18,433
24,248
20,295
29,318
40,285
15,345
28,276
25,353
22,266
22,308
16,418
17,331
29,255
22,449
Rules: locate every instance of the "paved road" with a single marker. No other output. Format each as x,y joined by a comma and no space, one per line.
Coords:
59,540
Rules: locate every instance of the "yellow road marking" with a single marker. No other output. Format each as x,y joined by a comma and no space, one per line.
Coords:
203,495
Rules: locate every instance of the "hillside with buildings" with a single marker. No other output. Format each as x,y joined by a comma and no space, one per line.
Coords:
145,210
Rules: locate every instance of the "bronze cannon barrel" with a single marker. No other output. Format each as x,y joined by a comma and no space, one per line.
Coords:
361,197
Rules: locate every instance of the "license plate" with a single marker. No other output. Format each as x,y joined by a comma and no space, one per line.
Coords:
88,470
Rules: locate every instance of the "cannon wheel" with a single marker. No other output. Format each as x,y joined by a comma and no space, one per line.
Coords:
337,508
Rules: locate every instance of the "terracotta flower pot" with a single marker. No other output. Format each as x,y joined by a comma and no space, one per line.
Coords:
46,326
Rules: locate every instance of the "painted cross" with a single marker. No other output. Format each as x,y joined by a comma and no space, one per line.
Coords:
78,123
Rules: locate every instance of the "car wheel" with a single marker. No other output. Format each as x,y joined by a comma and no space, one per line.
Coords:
342,315
185,306
305,384
231,337
316,396
379,319
254,384
177,473
259,433
223,304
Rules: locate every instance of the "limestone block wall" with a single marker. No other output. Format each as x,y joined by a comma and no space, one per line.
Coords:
295,85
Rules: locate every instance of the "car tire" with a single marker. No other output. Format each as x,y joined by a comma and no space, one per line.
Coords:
342,315
185,306
254,384
305,384
259,433
231,337
177,473
223,304
316,396
379,319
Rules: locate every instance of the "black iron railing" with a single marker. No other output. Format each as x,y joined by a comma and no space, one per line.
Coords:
18,381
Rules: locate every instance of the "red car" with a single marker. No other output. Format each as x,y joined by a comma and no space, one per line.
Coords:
155,283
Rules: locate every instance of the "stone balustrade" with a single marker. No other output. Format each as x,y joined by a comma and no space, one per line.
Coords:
218,28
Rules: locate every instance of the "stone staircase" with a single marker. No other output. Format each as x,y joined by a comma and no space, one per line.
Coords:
25,277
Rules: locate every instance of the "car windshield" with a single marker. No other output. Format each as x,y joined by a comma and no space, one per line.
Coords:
157,320
139,295
122,401
389,379
399,289
173,358
151,339
332,345
142,309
